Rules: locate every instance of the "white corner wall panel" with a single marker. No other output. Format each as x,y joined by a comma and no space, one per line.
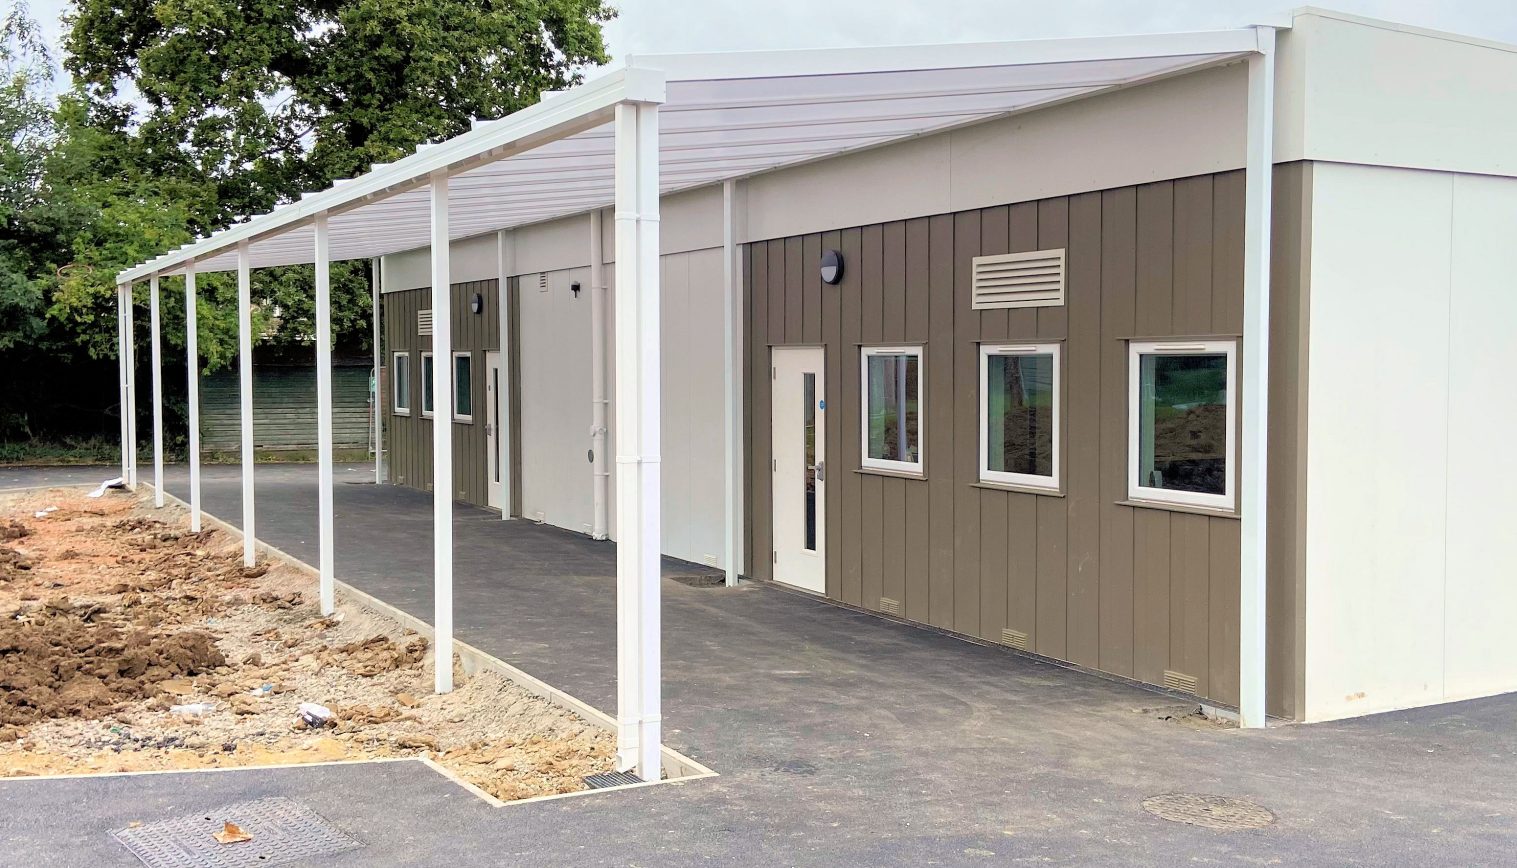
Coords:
1377,444
1377,93
1480,643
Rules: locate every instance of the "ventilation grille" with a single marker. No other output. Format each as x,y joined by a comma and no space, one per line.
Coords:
542,281
1014,638
1031,279
889,606
424,322
1179,681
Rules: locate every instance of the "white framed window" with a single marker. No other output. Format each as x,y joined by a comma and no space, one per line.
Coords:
400,384
463,387
426,385
1020,408
892,378
1182,422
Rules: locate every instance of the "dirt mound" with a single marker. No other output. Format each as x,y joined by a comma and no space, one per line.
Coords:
12,563
61,660
377,655
13,530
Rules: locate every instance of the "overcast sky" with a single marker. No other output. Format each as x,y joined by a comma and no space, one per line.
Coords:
665,26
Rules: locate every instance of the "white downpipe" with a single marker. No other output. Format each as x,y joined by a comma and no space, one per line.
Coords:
131,389
192,388
326,579
379,424
157,352
245,394
599,470
121,291
442,438
639,716
505,263
1255,422
732,368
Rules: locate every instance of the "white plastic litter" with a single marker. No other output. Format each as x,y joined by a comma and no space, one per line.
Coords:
194,710
118,482
315,716
42,513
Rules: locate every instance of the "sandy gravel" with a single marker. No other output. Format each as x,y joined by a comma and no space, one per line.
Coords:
112,613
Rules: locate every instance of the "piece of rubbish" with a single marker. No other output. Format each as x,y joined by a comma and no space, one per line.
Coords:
118,482
315,716
263,690
194,710
231,833
42,513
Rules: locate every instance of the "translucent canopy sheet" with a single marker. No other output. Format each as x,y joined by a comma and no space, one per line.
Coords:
723,116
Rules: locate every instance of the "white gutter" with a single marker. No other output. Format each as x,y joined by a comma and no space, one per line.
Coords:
599,404
1253,497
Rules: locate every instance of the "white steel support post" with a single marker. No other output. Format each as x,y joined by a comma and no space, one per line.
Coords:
505,264
639,716
326,580
378,396
245,394
599,402
732,366
192,388
1255,386
130,409
442,438
154,328
121,363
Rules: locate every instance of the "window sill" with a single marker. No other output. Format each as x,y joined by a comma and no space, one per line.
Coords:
1016,489
1160,505
893,474
400,412
463,420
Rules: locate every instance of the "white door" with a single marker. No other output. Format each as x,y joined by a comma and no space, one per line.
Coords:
495,397
799,444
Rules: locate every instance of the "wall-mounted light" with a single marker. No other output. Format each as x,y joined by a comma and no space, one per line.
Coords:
574,288
832,267
477,303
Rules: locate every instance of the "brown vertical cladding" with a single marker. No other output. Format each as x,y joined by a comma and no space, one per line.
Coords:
1088,579
409,438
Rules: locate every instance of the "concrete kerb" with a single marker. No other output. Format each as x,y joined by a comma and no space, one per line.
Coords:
678,768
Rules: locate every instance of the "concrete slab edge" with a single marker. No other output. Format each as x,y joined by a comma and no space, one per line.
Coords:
677,766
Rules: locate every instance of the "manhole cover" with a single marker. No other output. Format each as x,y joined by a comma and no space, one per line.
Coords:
1210,812
283,831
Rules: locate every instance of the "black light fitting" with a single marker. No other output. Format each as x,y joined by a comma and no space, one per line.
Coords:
832,267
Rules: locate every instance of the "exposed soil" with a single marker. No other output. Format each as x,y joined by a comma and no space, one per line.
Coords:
128,644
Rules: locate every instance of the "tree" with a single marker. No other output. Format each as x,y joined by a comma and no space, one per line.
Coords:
190,114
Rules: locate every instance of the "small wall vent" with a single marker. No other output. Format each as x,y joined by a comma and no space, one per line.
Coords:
889,606
1180,681
1014,638
1031,279
542,281
424,322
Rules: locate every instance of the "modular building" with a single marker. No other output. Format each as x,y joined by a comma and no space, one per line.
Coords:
990,377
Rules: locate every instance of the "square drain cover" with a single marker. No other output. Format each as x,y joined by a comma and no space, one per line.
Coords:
283,831
611,779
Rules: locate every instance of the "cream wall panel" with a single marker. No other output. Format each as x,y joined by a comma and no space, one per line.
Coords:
555,401
471,259
1382,94
1377,440
1481,644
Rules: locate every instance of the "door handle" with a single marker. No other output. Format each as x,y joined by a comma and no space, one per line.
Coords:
821,471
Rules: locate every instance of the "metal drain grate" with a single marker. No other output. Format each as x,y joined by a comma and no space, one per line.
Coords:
611,779
1211,812
283,831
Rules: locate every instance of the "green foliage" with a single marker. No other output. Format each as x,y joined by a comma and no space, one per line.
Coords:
187,115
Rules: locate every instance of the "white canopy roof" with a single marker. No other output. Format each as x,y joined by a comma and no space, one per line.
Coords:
723,116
